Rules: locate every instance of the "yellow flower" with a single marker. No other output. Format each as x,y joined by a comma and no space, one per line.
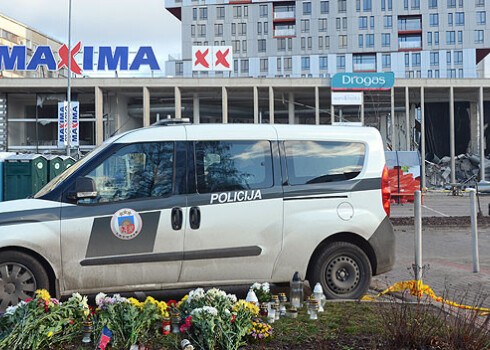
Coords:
43,294
135,302
50,334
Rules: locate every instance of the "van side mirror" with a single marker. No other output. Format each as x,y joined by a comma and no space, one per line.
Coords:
84,188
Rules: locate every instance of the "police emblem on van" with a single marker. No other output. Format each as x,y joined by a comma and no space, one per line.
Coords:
126,224
237,196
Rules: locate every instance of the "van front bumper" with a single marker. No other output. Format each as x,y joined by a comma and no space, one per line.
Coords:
383,243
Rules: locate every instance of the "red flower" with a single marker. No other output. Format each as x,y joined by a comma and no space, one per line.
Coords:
71,321
233,319
28,300
172,303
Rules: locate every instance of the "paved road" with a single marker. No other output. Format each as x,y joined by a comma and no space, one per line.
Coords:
447,252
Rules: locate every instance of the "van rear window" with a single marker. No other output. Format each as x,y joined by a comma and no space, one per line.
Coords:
233,165
311,162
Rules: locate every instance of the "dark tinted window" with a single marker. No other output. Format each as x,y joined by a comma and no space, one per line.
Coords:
134,171
311,162
233,165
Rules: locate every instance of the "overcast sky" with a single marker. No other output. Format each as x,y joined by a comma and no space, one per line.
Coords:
103,22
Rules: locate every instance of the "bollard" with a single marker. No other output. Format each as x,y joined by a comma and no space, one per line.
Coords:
474,231
418,235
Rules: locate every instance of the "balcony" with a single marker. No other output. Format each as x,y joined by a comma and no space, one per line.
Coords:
410,24
410,45
284,15
285,32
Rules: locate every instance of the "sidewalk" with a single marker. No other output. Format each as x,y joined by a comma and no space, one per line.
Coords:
446,251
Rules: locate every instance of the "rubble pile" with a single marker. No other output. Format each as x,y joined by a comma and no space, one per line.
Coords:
438,171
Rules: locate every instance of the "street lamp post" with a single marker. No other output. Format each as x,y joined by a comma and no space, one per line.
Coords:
68,147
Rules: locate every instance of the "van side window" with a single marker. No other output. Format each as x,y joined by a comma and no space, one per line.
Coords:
135,171
233,165
310,162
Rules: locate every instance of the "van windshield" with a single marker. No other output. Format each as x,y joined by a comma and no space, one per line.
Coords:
64,175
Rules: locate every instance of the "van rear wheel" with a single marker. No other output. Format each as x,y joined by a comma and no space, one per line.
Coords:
343,270
20,276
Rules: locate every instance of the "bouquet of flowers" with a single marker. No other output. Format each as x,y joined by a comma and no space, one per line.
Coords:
262,291
260,330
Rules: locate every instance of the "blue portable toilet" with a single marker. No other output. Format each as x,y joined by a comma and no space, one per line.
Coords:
3,155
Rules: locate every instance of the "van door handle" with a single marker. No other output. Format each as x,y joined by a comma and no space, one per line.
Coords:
177,218
195,218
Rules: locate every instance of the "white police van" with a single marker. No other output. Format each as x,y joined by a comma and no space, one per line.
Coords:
182,205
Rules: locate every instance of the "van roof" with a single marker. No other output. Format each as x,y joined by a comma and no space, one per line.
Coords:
248,132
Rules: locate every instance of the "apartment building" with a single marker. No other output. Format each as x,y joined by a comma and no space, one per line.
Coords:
318,38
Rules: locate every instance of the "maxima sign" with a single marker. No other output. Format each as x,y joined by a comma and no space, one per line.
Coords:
15,58
212,58
363,81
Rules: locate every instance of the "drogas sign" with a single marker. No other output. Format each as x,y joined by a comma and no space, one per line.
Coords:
15,58
363,81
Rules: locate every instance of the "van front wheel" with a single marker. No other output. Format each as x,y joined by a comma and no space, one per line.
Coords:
343,270
20,276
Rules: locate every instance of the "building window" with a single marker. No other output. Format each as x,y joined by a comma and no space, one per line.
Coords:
342,5
481,18
479,37
303,43
458,57
388,21
432,4
242,28
450,19
386,60
361,41
244,45
460,18
451,4
434,19
327,42
264,65
342,41
266,28
307,8
237,12
193,30
358,5
371,22
369,40
264,10
245,11
448,57
340,62
460,36
460,3
405,4
218,30
324,7
436,38
179,68
480,3
201,29
262,45
290,44
390,5
305,26
451,73
288,63
415,4
236,46
460,73
429,38
367,5
434,58
320,42
220,12
281,44
323,62
344,23
407,60
259,28
450,37
429,73
383,5
203,13
436,73
233,29
194,13
244,66
386,39
363,22
305,63
322,24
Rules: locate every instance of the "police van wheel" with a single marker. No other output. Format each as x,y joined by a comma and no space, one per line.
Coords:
20,276
343,270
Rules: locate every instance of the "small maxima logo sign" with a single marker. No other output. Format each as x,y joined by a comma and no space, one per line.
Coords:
15,58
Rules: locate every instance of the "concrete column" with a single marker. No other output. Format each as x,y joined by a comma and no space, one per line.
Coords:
474,144
291,107
332,109
393,128
224,101
362,109
146,106
256,105
99,116
178,103
482,133
317,105
452,143
407,119
196,113
271,105
422,137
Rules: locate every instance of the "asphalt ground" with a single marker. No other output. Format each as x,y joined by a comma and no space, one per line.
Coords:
446,250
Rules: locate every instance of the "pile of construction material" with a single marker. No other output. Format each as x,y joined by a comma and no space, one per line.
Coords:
467,166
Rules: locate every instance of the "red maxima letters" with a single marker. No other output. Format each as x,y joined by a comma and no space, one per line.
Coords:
201,58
